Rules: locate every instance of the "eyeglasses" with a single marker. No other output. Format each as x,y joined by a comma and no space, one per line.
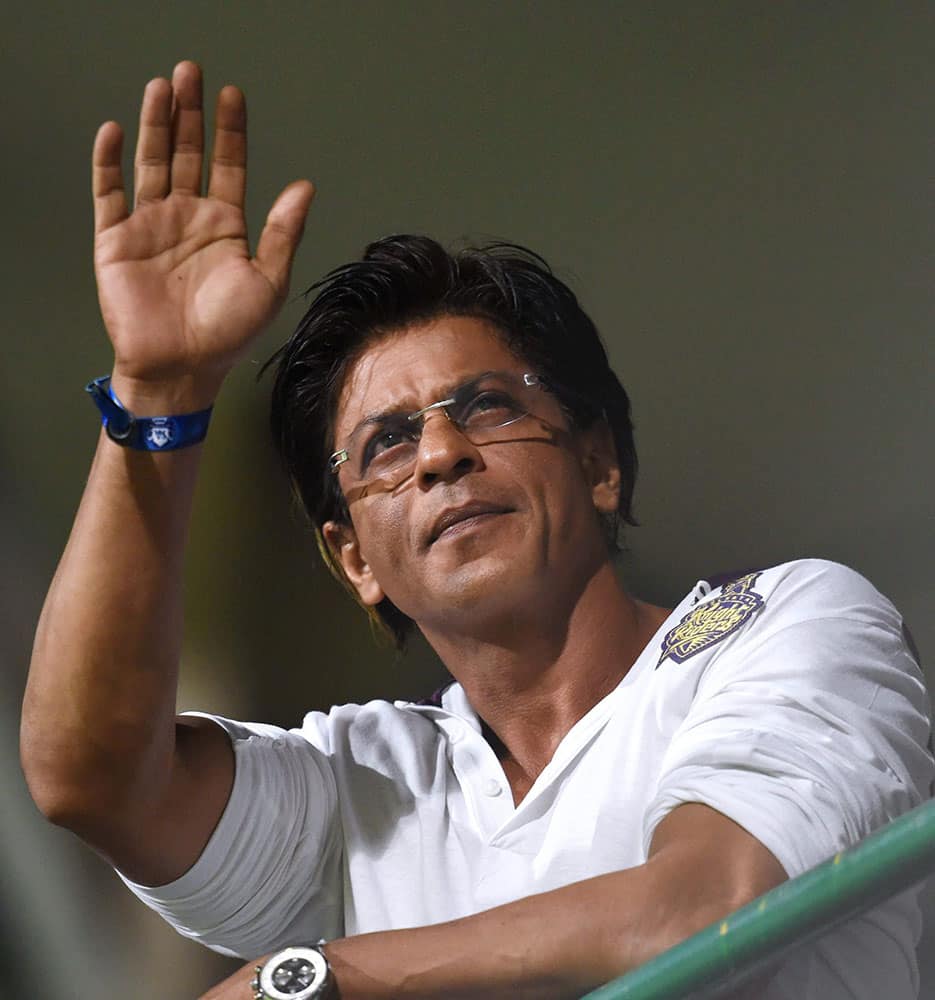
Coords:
385,447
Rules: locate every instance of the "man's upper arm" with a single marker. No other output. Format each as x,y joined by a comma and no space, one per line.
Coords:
168,839
269,871
715,856
810,731
712,866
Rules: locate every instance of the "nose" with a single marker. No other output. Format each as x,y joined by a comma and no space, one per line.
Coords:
445,454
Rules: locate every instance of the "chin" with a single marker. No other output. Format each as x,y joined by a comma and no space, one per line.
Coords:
478,588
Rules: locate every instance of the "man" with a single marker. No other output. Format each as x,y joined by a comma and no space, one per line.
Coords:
602,778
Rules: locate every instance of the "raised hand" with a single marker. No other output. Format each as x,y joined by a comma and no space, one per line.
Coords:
180,294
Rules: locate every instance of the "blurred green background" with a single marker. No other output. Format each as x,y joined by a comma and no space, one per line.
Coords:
740,193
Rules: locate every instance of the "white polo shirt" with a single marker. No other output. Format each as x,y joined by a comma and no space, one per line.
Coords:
786,700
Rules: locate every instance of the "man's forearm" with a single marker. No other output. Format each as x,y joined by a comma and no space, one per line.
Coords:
553,945
563,943
566,942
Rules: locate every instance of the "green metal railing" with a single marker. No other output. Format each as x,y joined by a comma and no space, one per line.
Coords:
723,955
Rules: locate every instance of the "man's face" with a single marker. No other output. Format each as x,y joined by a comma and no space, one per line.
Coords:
477,531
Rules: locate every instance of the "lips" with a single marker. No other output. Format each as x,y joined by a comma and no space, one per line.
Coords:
455,515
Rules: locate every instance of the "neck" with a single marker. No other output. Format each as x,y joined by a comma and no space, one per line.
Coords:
532,678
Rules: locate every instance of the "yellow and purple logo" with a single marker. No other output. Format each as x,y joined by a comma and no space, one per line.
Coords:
713,621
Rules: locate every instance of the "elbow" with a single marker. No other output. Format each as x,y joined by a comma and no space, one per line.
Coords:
694,907
48,768
714,908
91,811
67,793
56,802
58,798
41,789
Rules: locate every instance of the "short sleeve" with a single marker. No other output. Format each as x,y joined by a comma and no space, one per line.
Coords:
271,873
811,729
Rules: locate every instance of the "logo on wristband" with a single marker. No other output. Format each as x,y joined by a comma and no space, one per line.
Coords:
161,432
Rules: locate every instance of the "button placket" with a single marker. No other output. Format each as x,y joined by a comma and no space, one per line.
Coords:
473,763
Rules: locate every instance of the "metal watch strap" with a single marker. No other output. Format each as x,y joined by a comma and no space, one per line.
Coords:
258,993
145,433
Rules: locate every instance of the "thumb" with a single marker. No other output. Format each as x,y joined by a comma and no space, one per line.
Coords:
282,233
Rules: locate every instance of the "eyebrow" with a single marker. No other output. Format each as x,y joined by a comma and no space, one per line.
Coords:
381,416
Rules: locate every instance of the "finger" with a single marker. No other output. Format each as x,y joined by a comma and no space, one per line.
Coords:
151,164
187,129
110,199
228,178
281,234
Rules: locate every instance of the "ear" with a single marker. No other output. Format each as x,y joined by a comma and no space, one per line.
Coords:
600,465
344,546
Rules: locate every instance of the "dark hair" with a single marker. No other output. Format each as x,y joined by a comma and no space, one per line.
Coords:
404,280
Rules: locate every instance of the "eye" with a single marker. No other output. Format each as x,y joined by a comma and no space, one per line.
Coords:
386,443
491,407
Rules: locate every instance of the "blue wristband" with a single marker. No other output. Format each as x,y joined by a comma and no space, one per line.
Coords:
145,433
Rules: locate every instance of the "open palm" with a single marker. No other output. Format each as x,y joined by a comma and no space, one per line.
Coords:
179,292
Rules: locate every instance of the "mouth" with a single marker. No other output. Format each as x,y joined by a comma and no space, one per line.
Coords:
457,519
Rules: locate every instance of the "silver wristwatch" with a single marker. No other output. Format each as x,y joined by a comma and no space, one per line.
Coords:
300,973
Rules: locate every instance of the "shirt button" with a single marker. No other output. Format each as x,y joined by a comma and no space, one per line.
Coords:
492,787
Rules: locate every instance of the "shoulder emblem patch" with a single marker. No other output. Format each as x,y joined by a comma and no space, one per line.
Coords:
708,624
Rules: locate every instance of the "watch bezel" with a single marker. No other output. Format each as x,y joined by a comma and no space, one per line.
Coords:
311,955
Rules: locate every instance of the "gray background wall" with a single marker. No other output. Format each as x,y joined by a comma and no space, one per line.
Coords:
739,192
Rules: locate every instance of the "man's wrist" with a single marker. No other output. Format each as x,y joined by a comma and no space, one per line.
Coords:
295,973
149,397
165,432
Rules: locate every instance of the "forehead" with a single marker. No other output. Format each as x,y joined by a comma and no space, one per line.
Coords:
407,368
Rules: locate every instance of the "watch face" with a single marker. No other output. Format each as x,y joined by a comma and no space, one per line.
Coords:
295,974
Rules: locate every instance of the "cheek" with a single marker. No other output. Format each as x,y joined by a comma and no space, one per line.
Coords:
382,535
568,505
